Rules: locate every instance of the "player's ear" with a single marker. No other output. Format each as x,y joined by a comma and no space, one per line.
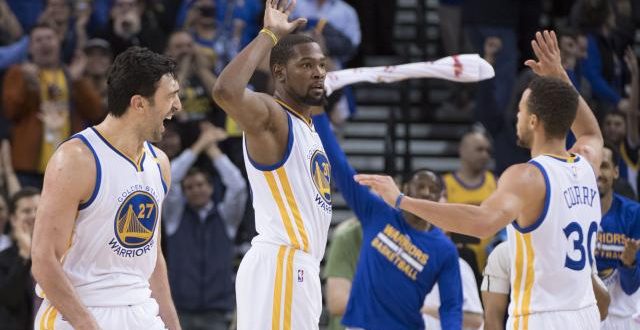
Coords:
137,102
533,120
279,72
616,172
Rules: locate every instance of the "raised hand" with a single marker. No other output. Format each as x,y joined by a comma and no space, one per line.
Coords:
549,63
276,17
632,63
631,247
382,185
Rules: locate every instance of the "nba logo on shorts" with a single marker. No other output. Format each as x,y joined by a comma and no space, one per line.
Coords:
300,275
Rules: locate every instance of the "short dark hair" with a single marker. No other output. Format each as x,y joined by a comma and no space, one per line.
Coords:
25,192
45,24
195,171
593,14
615,154
283,50
555,102
136,71
615,113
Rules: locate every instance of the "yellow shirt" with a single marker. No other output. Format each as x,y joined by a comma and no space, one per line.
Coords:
53,87
459,192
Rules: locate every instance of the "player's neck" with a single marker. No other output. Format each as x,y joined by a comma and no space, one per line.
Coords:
122,135
469,175
293,105
555,147
606,201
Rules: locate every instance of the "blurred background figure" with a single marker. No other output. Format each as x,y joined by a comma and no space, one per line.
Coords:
200,233
45,102
130,25
472,183
99,58
16,284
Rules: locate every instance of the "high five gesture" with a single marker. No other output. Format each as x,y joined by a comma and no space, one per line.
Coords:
276,17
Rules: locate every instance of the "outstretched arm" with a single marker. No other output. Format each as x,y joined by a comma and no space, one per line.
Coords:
358,197
501,208
585,127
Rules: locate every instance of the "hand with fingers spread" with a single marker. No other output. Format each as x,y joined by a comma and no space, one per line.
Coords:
383,185
549,64
631,247
276,17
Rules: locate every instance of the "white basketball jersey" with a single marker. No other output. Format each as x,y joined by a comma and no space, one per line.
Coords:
552,260
113,248
292,199
622,305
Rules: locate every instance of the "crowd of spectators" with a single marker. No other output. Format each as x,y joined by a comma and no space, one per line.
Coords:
54,60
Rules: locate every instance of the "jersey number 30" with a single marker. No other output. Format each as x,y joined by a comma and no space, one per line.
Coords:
578,245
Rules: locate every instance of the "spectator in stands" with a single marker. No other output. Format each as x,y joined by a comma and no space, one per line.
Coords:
247,20
393,275
340,268
209,34
70,23
344,24
450,14
195,75
472,318
621,129
45,103
471,183
495,18
16,284
129,26
618,243
200,237
99,60
602,66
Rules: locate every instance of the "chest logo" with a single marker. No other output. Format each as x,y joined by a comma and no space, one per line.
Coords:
136,220
321,174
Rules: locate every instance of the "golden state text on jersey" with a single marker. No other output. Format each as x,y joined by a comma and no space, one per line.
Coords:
135,222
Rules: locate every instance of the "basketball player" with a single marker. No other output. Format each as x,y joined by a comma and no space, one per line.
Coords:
554,199
278,283
96,247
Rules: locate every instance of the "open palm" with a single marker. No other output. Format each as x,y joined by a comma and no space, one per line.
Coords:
276,17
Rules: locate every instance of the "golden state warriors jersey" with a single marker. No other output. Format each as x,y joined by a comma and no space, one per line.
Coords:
292,199
113,247
552,259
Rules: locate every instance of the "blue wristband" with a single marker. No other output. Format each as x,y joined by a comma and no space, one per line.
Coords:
399,200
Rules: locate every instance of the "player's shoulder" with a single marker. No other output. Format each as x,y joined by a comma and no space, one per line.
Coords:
75,152
523,174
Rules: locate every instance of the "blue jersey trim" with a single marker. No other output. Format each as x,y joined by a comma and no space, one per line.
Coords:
153,153
96,187
117,151
547,198
266,168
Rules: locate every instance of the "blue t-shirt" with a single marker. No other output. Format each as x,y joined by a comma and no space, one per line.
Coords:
621,221
398,264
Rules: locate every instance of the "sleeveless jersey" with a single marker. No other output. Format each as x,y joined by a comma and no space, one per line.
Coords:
459,192
292,199
113,248
552,259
